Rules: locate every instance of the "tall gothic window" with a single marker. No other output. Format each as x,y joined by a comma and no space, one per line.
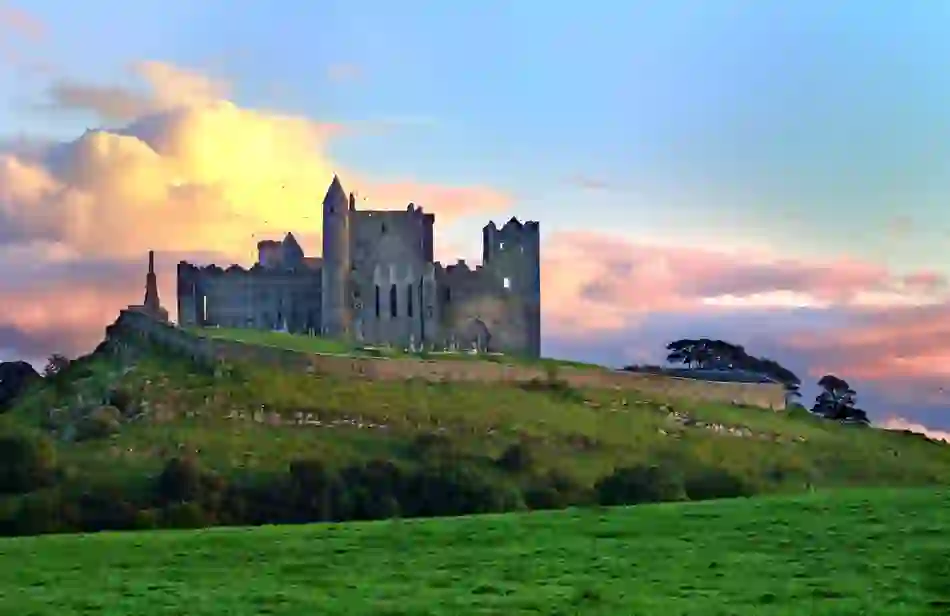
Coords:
392,302
377,301
409,301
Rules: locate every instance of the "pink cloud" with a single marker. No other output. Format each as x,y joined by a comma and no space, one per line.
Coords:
607,281
904,349
22,23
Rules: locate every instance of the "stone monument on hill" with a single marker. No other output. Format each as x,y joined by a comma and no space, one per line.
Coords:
152,306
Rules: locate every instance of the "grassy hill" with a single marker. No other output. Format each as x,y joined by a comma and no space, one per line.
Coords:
877,553
260,419
110,426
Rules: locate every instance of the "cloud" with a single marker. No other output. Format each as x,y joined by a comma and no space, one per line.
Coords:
613,281
19,22
899,423
902,350
611,300
185,172
189,171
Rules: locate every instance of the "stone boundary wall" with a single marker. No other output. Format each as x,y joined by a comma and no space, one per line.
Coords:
131,325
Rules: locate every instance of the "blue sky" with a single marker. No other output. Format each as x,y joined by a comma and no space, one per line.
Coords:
811,129
777,121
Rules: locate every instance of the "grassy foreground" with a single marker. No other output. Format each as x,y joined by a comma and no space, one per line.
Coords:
880,552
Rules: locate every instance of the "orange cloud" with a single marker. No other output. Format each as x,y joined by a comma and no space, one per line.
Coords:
190,171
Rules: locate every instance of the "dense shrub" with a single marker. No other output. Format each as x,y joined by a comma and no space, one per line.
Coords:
122,399
184,480
456,488
710,482
517,458
555,491
27,462
184,515
640,484
317,492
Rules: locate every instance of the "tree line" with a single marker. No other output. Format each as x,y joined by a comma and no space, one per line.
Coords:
37,496
837,400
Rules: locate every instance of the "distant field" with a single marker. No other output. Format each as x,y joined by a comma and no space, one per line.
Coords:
319,344
883,553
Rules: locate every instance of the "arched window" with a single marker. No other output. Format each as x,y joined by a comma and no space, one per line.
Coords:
409,300
377,301
392,302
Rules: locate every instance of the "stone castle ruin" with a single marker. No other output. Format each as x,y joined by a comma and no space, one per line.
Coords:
377,283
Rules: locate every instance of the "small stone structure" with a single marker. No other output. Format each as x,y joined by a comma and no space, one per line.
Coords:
133,326
377,282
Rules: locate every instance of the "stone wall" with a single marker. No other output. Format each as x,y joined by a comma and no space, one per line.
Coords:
131,326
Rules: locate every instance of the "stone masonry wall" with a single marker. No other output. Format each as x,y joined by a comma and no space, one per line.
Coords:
131,326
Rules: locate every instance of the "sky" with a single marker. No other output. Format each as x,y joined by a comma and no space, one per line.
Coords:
765,172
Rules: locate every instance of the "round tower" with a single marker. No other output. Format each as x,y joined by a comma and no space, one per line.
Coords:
335,302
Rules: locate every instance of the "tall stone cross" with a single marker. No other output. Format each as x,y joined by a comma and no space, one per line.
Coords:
151,302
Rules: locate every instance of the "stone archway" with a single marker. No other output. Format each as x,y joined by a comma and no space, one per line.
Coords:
474,333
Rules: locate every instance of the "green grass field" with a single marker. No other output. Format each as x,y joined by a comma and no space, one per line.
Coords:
876,553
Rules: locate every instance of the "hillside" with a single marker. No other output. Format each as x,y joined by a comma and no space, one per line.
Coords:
111,423
879,553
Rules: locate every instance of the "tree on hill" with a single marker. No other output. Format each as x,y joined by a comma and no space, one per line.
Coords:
837,401
704,353
55,365
777,372
708,353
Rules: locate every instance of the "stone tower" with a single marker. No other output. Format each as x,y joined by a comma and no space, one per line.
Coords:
335,304
513,255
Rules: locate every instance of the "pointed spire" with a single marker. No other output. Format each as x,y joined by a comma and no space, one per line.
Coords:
151,285
335,193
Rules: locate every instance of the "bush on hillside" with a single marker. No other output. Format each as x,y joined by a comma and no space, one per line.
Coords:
457,488
710,483
517,458
184,480
317,492
184,515
555,491
640,484
27,463
123,400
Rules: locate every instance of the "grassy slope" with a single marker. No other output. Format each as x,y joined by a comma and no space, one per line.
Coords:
318,344
880,553
585,434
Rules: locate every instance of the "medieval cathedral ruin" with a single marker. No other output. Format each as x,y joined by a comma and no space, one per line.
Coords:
377,283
